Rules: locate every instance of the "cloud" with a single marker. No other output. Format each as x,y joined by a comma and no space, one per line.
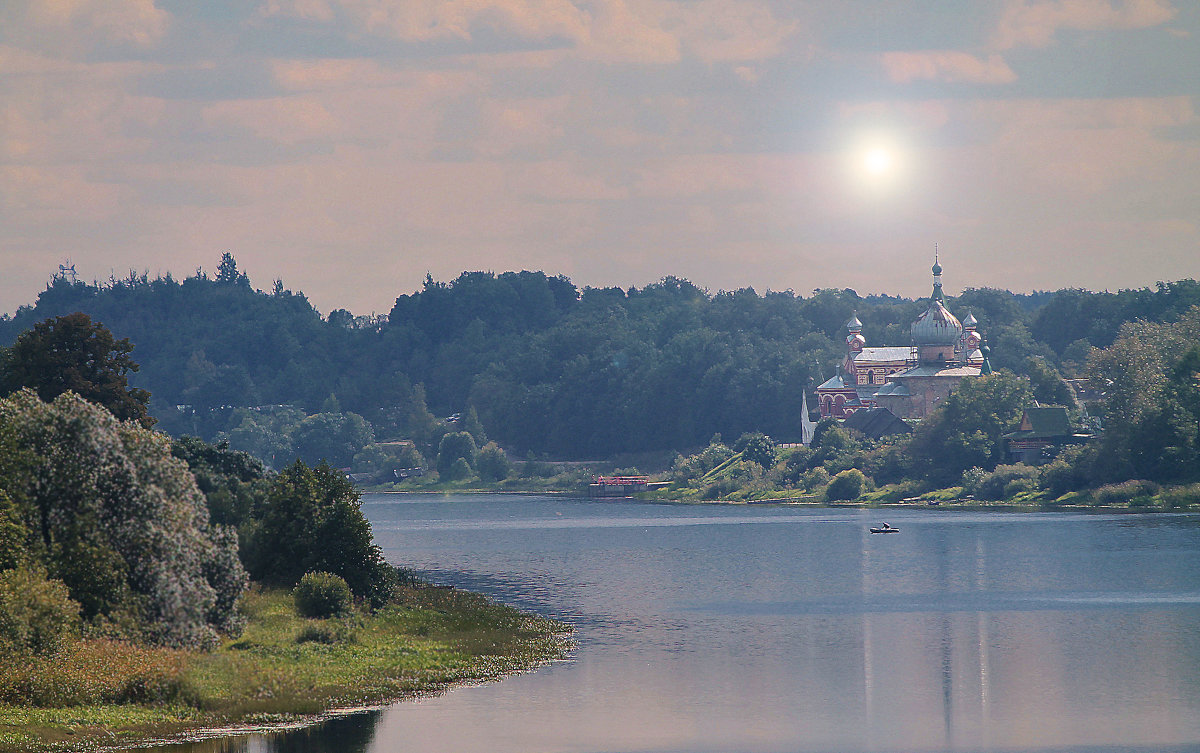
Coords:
728,30
607,31
616,34
946,65
1034,24
440,20
83,25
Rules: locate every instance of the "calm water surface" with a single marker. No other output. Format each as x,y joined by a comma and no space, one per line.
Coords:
776,629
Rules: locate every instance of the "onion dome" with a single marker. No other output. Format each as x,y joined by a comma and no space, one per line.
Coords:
970,322
854,325
987,364
937,326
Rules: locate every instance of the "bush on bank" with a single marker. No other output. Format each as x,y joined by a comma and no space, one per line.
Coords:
322,595
37,614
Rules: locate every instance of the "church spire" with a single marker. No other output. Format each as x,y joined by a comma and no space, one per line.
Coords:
937,278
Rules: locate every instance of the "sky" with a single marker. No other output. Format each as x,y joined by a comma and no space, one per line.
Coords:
351,147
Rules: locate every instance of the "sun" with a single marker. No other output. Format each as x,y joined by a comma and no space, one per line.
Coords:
878,161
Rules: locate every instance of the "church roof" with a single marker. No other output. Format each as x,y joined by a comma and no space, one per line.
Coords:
1043,422
885,353
937,326
893,389
876,422
933,370
834,382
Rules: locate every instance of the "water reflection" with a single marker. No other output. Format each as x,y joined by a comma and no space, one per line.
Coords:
350,733
768,630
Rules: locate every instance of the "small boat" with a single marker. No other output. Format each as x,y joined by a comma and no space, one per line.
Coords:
885,528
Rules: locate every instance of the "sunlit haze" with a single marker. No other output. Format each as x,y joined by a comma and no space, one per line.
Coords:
348,147
878,161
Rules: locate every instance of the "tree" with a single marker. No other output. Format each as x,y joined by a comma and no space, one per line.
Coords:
312,521
492,464
334,437
460,470
265,437
757,448
966,429
120,521
455,445
232,481
471,425
1140,408
73,353
1048,385
13,534
228,274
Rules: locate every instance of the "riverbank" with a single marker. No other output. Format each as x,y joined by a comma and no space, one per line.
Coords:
283,670
728,477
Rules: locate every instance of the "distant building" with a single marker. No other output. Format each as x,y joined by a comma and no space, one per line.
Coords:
908,381
875,423
1041,429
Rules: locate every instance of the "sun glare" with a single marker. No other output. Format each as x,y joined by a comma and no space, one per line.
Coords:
878,161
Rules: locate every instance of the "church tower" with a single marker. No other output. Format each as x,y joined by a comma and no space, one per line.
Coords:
936,333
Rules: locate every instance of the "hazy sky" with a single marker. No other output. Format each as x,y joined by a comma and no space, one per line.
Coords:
349,147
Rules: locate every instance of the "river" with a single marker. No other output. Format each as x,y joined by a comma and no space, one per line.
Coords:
760,629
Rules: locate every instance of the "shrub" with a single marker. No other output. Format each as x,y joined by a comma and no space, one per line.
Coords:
995,485
1133,492
811,479
537,469
1180,496
901,491
719,489
1019,486
322,595
459,470
37,615
846,485
972,478
1068,472
492,464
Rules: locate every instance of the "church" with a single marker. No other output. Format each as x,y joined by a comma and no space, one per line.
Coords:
908,381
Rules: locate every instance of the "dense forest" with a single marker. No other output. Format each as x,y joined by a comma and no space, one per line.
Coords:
542,366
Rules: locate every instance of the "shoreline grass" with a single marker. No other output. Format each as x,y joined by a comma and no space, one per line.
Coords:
283,670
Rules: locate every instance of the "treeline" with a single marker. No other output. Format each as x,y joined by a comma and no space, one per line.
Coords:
549,368
110,530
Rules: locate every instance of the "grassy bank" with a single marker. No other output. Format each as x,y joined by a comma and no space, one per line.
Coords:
1137,496
99,693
